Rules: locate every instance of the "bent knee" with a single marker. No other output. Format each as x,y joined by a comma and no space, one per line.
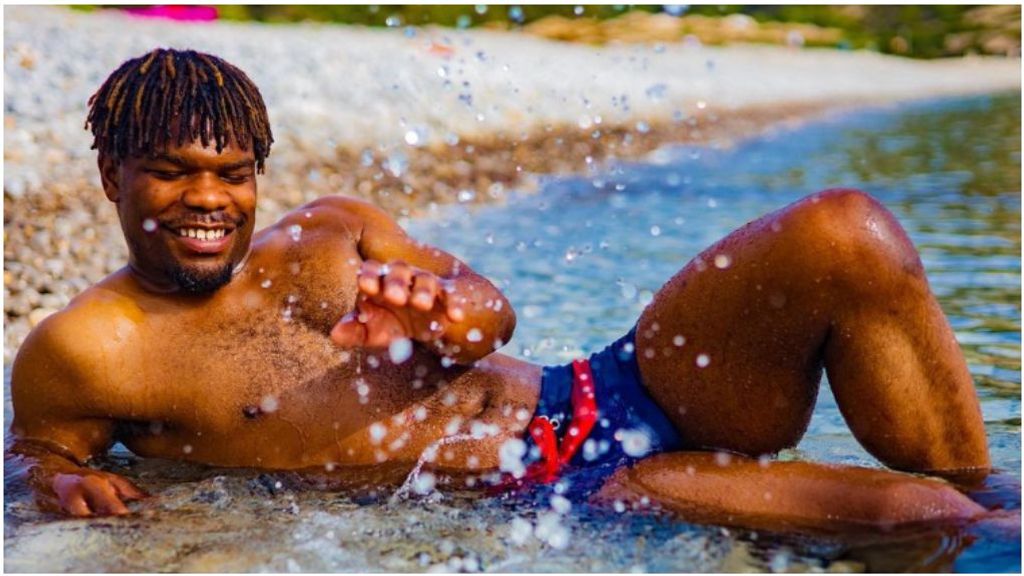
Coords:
854,231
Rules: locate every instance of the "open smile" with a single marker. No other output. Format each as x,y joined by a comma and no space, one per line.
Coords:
203,239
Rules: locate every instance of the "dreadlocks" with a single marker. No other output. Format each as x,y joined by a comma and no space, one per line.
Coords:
134,111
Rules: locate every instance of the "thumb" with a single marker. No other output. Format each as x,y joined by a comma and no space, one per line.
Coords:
349,332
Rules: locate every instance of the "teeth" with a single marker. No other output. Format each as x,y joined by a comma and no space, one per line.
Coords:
201,234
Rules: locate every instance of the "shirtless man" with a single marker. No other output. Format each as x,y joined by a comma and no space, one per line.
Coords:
333,340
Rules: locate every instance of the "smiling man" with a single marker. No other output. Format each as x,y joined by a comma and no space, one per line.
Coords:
333,340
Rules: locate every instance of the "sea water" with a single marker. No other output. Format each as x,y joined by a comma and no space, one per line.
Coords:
579,260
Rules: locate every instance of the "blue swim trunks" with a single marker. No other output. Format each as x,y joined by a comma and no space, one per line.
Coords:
595,411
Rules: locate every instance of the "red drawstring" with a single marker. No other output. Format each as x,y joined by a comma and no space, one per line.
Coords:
584,416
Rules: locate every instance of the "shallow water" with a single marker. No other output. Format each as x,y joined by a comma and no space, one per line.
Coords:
578,261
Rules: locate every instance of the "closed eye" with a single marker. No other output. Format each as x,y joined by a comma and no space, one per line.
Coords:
235,178
166,174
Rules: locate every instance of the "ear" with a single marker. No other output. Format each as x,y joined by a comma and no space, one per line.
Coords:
110,169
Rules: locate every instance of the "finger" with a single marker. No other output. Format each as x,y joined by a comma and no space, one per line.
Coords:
383,328
454,307
369,277
396,283
74,503
69,494
424,291
349,332
125,489
101,496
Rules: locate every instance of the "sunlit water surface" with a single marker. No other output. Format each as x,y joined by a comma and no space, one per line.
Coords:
579,260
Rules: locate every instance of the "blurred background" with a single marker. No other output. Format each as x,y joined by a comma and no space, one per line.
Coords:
914,31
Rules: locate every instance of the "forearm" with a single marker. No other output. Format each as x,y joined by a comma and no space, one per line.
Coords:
782,496
487,324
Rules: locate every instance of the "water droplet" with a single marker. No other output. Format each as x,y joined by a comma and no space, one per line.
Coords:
424,483
481,9
377,433
393,21
520,531
703,360
295,231
515,14
722,261
416,136
642,127
466,196
628,290
510,457
366,158
655,230
678,340
656,92
149,225
396,164
676,9
268,404
400,350
187,448
474,335
560,504
635,443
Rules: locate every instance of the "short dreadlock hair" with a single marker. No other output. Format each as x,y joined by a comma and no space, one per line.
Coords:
133,112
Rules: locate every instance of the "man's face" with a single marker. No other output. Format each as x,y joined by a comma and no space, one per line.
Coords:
187,213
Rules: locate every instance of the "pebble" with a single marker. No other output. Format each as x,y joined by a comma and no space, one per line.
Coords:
38,315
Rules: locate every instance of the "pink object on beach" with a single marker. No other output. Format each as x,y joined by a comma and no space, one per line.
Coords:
176,12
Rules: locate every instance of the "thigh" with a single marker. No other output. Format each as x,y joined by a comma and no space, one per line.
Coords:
730,347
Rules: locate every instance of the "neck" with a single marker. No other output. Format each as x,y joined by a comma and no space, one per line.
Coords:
164,285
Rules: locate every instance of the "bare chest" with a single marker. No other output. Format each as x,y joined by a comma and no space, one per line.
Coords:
275,392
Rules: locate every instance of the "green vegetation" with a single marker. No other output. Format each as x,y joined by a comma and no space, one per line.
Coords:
916,31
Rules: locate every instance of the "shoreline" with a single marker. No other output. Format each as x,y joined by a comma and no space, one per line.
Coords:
403,121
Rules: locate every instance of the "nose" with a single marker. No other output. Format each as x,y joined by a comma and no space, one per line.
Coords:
206,192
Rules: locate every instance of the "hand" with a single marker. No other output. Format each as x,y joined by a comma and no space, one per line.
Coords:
395,301
94,493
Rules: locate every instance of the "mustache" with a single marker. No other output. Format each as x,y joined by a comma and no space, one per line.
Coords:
205,219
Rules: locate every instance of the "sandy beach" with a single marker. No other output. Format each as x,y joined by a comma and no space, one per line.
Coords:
405,117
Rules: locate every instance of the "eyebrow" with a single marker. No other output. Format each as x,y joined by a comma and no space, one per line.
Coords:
184,162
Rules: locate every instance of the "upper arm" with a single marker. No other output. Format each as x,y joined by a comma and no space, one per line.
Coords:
54,394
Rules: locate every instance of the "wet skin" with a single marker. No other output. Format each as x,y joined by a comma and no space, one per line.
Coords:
288,365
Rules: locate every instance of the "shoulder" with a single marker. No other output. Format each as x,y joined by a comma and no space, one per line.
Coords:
68,347
348,211
335,216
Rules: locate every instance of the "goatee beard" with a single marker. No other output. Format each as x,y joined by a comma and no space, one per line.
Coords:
192,281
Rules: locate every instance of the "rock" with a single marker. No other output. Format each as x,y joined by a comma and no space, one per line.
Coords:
38,315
